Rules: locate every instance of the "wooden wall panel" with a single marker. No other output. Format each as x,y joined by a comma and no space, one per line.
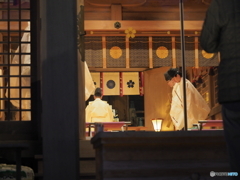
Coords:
176,155
116,12
98,15
156,96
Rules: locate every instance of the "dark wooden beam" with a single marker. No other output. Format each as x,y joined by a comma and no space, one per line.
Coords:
95,25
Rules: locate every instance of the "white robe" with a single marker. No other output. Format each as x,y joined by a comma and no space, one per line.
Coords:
99,111
25,81
89,84
197,107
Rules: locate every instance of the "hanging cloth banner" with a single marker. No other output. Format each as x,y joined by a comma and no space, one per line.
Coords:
130,83
96,79
141,83
89,83
111,84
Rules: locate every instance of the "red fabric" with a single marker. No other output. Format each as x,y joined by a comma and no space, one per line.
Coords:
121,84
141,83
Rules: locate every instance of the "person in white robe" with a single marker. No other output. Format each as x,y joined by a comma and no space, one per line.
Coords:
89,84
197,107
25,81
98,110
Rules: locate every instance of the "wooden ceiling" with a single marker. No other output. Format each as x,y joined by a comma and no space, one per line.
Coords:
144,9
147,17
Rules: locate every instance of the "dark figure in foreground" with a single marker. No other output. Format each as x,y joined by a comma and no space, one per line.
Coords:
221,33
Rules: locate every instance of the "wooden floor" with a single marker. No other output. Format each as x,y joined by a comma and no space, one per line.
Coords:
87,160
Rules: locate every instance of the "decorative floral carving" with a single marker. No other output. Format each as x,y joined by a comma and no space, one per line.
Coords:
130,84
130,32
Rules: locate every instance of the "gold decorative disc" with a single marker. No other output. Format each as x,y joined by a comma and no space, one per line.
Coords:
162,52
207,55
115,52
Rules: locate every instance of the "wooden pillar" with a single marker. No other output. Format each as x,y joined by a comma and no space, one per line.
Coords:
150,52
127,53
60,109
116,12
1,73
1,12
104,46
174,60
196,53
81,70
219,57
